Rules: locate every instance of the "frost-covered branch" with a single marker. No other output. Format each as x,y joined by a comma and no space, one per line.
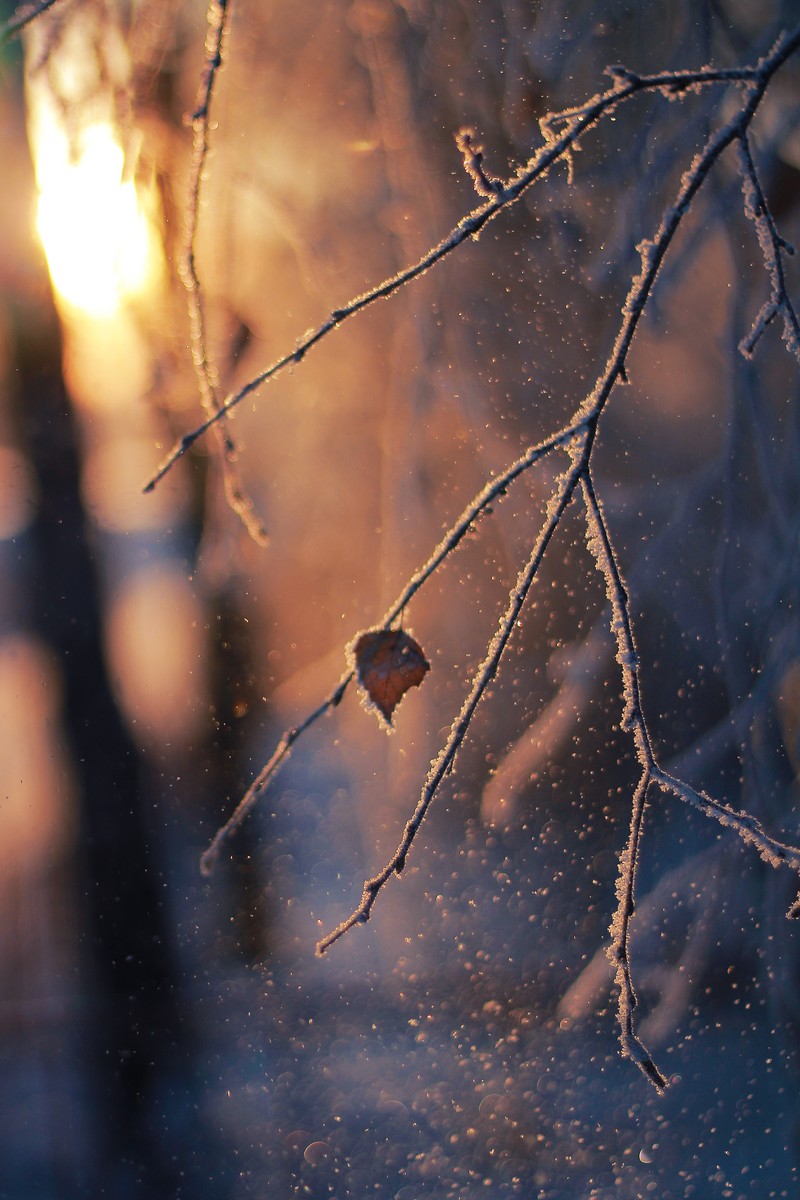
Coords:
619,949
494,489
204,365
485,673
602,551
773,249
632,722
561,132
555,148
748,828
270,769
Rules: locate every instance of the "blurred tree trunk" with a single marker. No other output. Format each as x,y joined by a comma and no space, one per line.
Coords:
135,1033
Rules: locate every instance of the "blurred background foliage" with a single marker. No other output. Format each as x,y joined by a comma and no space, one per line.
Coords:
164,1036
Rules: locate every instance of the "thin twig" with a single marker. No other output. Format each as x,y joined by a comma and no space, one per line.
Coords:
494,489
205,368
652,252
599,543
676,887
619,949
586,417
22,17
748,827
555,723
485,673
279,755
578,438
633,721
556,147
472,154
773,248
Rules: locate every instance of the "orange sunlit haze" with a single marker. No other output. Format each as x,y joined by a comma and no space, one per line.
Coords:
97,236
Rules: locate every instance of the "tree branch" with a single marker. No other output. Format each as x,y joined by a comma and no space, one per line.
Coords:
22,17
619,949
773,248
494,489
205,368
485,673
578,121
577,438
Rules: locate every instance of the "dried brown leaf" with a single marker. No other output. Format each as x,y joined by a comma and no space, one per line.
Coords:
387,663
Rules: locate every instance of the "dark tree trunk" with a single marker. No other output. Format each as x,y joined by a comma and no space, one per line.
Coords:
135,1033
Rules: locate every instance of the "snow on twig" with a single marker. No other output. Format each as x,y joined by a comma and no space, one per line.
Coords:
577,438
773,249
633,722
492,490
204,365
619,949
485,673
555,147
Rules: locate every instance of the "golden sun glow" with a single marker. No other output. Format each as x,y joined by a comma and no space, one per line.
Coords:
97,236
